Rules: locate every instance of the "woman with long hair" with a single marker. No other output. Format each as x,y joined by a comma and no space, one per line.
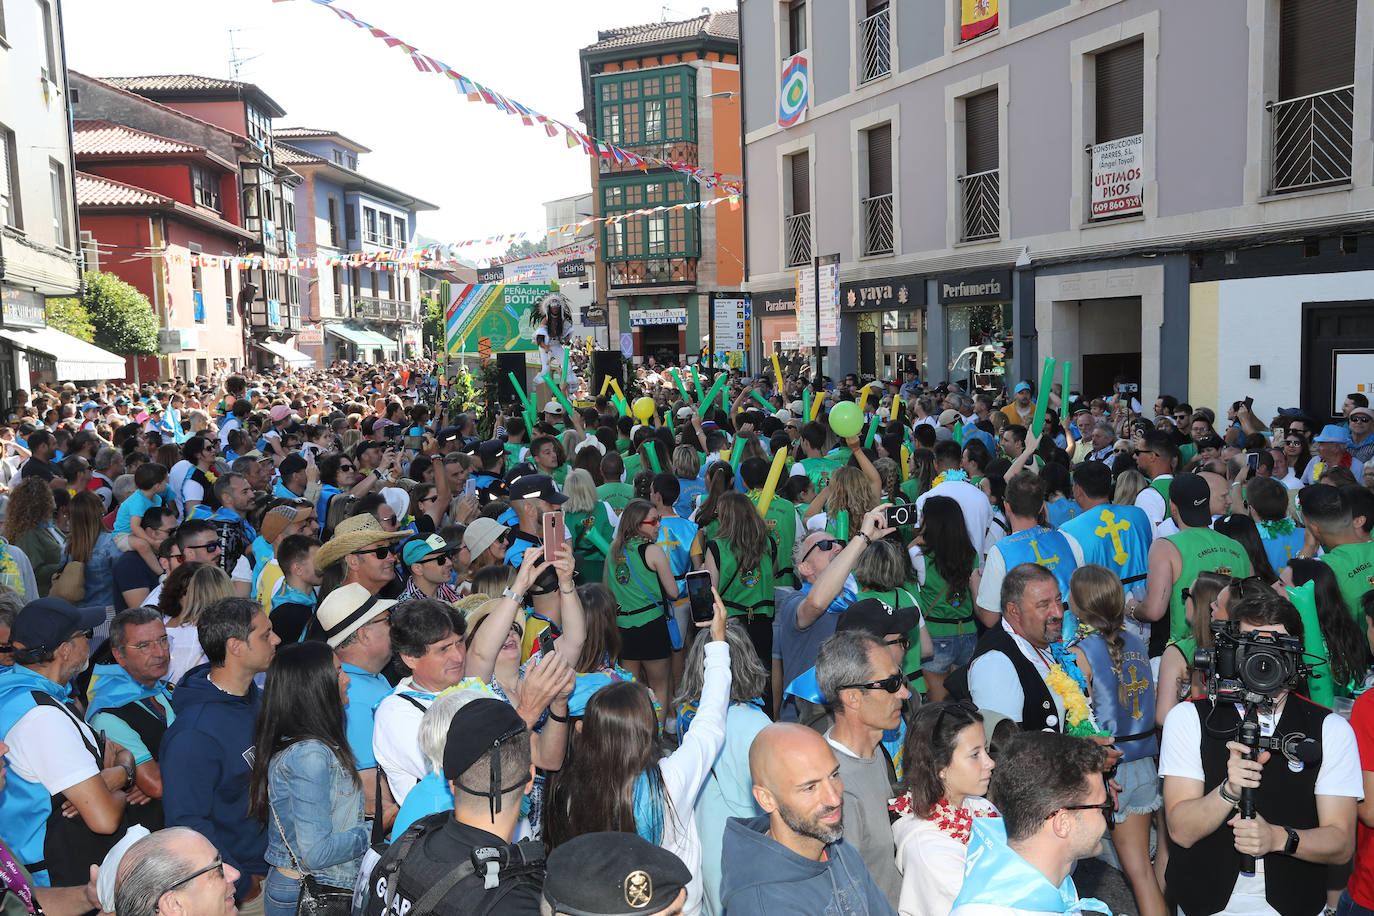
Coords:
946,564
199,588
729,791
921,473
686,467
720,479
588,459
1129,484
943,783
742,563
305,788
28,526
588,518
884,572
1242,529
1116,664
92,545
1178,680
1326,616
618,778
851,491
640,575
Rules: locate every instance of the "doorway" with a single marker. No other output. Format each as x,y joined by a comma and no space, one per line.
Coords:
661,341
1337,343
1109,344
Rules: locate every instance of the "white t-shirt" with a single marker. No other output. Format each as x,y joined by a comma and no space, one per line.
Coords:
995,685
1180,754
396,738
995,570
974,502
184,647
1153,504
46,748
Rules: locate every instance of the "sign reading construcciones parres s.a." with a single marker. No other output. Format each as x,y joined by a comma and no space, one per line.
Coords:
1117,182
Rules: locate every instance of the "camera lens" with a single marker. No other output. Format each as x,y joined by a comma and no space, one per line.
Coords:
1265,671
1202,658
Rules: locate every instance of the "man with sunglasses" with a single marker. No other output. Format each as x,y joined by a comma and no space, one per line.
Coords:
56,761
1157,459
429,561
1055,809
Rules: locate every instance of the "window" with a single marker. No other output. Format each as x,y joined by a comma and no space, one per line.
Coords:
875,41
61,218
46,41
1313,119
332,205
288,209
355,282
369,225
653,121
338,156
386,229
351,222
980,186
352,162
229,296
401,237
260,132
877,207
197,286
204,187
293,289
797,221
669,234
1120,102
90,252
796,27
10,214
337,275
269,209
407,290
647,107
2,22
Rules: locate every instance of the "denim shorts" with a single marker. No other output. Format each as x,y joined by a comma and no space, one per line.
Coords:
951,652
1139,782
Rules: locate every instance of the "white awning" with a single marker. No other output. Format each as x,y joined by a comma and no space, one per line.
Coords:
285,352
76,359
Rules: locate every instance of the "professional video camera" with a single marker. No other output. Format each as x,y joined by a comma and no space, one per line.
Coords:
1250,667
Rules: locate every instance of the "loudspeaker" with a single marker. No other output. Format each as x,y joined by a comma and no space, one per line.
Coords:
506,364
604,363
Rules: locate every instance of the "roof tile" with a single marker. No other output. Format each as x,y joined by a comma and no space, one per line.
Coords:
95,191
106,138
724,24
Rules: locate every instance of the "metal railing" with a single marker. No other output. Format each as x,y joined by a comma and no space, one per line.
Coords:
875,45
340,310
877,227
980,206
372,307
796,232
1313,139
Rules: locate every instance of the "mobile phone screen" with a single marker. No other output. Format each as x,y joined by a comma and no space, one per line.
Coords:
553,534
469,486
699,594
1252,460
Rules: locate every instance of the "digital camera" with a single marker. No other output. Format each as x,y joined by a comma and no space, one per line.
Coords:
1248,666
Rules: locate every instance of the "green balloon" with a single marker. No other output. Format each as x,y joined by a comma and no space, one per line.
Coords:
846,419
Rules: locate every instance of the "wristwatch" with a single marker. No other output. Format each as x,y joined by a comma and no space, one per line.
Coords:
1291,847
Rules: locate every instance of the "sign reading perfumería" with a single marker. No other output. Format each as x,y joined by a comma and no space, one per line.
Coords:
977,286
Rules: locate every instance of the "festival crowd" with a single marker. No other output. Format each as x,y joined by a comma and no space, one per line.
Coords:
348,641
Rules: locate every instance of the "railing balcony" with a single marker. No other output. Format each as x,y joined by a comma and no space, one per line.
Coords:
339,306
877,227
1313,140
668,150
875,45
652,272
980,206
796,233
376,309
265,315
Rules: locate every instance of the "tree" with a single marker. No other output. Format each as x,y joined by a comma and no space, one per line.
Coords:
70,317
123,317
526,249
432,328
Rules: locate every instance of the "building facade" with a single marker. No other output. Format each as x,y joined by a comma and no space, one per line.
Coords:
1142,187
361,310
671,91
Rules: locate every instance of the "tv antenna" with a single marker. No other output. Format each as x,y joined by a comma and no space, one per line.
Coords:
236,61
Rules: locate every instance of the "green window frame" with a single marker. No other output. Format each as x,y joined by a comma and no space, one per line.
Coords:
645,107
665,234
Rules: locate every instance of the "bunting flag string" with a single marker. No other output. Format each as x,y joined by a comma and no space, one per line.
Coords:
474,91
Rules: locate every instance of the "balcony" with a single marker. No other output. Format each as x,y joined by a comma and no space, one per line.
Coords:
875,45
877,229
671,151
653,272
1313,140
796,234
980,206
372,308
265,316
292,318
334,307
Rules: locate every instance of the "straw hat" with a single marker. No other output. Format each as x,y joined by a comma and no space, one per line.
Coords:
354,534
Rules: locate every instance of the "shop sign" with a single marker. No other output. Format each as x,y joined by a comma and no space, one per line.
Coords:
1117,184
575,267
495,274
976,286
886,295
21,309
731,317
658,316
776,302
310,334
593,316
829,298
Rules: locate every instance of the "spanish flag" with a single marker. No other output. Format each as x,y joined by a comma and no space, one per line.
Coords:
979,16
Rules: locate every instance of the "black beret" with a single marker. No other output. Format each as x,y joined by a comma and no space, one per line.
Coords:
613,874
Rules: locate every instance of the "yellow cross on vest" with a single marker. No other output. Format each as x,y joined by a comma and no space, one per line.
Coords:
1048,562
1133,689
1114,528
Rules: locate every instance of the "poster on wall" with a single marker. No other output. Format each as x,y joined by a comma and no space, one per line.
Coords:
494,310
830,305
1352,372
794,91
1117,184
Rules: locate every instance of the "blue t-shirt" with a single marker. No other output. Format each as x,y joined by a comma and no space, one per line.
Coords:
428,796
134,507
131,572
365,691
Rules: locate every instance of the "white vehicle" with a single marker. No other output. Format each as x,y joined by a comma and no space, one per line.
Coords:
981,366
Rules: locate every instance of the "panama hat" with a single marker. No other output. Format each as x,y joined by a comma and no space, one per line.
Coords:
354,534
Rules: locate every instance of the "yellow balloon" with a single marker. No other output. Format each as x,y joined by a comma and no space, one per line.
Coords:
644,409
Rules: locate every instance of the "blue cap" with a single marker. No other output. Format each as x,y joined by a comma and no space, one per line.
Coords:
1020,387
47,623
417,549
1332,433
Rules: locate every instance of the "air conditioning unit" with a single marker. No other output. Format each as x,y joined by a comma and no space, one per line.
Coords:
174,340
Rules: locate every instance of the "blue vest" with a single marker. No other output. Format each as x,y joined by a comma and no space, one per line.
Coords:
1117,537
322,505
1060,511
1124,702
1050,549
1283,548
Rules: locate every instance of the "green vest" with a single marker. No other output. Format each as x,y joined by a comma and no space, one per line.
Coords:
590,559
633,465
617,494
819,470
946,614
1202,550
1353,565
1161,486
781,521
745,592
638,593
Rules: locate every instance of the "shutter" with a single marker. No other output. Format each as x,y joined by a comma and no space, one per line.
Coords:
1121,92
980,132
876,6
1316,46
801,183
880,160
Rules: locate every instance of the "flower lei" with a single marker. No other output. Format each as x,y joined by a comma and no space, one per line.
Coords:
951,821
1279,527
211,476
1065,679
952,475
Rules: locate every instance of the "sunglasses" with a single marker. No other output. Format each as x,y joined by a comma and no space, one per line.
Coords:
652,521
345,467
212,547
825,544
380,553
1106,806
1294,443
1355,418
901,639
441,559
890,684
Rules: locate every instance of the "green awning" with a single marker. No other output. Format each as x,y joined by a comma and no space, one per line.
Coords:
352,335
381,340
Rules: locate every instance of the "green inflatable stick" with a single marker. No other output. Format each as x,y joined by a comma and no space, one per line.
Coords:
737,452
767,408
653,460
1042,402
842,524
681,387
696,377
872,431
711,395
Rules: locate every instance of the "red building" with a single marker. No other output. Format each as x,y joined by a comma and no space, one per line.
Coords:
139,194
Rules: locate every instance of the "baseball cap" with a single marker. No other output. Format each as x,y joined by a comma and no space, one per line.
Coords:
613,874
47,623
1020,387
1332,433
481,534
417,549
1190,494
347,608
490,449
279,413
537,486
948,417
553,407
1364,411
877,617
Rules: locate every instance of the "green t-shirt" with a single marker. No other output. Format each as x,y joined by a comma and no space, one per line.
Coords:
617,494
819,470
1353,565
1202,550
912,489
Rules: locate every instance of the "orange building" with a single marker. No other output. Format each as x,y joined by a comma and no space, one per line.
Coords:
669,90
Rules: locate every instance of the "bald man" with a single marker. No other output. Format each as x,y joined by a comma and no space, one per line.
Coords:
794,858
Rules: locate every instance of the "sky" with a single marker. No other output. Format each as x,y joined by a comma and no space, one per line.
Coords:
487,172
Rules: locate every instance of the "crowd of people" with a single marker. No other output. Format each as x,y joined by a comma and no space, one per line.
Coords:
341,641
